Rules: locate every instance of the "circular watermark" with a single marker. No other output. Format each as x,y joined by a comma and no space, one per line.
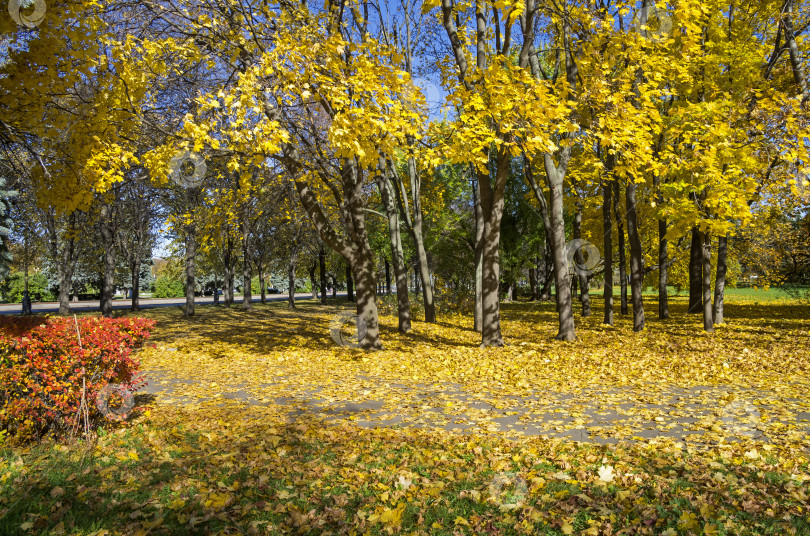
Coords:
740,418
423,96
187,169
508,490
652,23
115,402
28,13
590,256
338,325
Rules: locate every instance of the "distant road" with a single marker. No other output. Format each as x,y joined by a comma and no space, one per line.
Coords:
145,303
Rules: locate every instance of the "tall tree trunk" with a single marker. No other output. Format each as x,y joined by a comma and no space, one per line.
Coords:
607,223
108,280
136,285
663,270
548,270
706,283
695,273
799,76
720,279
322,270
418,238
663,257
247,271
533,282
492,203
228,262
478,318
636,261
565,311
387,277
262,282
291,277
617,199
579,258
349,284
397,256
313,283
191,254
334,286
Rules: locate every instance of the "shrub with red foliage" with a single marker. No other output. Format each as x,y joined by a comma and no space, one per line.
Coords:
42,363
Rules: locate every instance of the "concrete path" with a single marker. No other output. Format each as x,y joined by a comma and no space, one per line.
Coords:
697,415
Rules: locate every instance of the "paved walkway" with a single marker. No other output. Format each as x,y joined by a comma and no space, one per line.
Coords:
700,415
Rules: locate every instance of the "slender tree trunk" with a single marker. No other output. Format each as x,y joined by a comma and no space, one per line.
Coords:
349,284
720,279
548,270
706,282
617,199
607,223
663,270
579,258
228,261
397,256
313,284
478,315
636,261
136,286
263,283
322,271
65,275
108,281
291,277
695,273
532,283
564,308
247,272
334,286
191,254
799,76
387,277
418,238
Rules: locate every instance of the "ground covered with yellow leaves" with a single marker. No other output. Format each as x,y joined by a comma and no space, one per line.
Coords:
259,423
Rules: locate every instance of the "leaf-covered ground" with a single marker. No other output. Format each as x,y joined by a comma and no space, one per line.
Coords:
259,423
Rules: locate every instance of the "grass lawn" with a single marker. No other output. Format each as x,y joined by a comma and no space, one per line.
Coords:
221,466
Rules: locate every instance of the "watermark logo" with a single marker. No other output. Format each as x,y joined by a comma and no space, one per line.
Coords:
652,23
115,402
28,13
508,490
187,169
740,418
338,329
589,260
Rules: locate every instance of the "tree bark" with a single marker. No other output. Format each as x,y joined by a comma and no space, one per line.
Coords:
607,223
291,277
228,262
191,254
397,256
706,283
247,271
387,277
565,311
419,242
322,270
636,261
579,258
136,286
617,199
108,282
720,279
349,284
532,283
663,270
478,317
313,283
695,273
262,283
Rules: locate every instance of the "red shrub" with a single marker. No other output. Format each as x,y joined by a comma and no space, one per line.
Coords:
41,368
